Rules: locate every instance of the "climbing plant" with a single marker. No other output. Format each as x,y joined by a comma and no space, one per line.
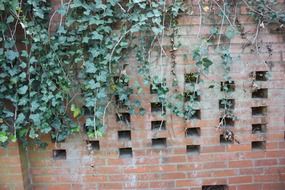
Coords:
60,64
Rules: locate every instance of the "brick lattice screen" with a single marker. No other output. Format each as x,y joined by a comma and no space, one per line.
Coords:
168,152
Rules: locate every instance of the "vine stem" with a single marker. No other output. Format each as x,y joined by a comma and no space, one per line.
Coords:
256,35
94,117
200,14
221,28
61,16
223,11
252,8
50,21
162,40
105,110
114,48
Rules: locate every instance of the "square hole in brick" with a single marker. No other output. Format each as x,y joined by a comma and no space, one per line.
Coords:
223,140
260,93
121,103
154,87
159,142
215,187
125,152
122,81
157,107
194,114
158,125
258,145
93,145
261,75
228,86
258,128
259,111
124,117
226,104
193,149
228,122
59,154
124,135
191,96
193,132
87,111
191,78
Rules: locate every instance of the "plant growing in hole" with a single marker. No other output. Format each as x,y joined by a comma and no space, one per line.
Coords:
258,76
158,86
227,112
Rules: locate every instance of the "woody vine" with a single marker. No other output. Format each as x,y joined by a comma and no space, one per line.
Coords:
63,78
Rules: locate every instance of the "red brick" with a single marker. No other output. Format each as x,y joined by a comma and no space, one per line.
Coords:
249,187
59,187
275,186
240,164
187,183
162,184
239,147
269,162
212,165
224,173
173,176
266,178
94,179
110,186
240,180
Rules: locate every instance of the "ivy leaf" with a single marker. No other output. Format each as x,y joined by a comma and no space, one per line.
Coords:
23,101
156,30
10,19
33,134
34,106
89,122
23,90
102,77
45,128
93,85
230,32
11,55
13,138
3,137
96,36
135,28
102,93
20,119
214,31
36,119
75,110
98,133
206,62
85,40
39,12
90,67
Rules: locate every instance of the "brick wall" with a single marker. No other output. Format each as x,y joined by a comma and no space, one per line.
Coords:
187,154
11,171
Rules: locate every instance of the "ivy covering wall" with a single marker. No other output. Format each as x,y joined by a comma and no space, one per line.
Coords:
55,75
